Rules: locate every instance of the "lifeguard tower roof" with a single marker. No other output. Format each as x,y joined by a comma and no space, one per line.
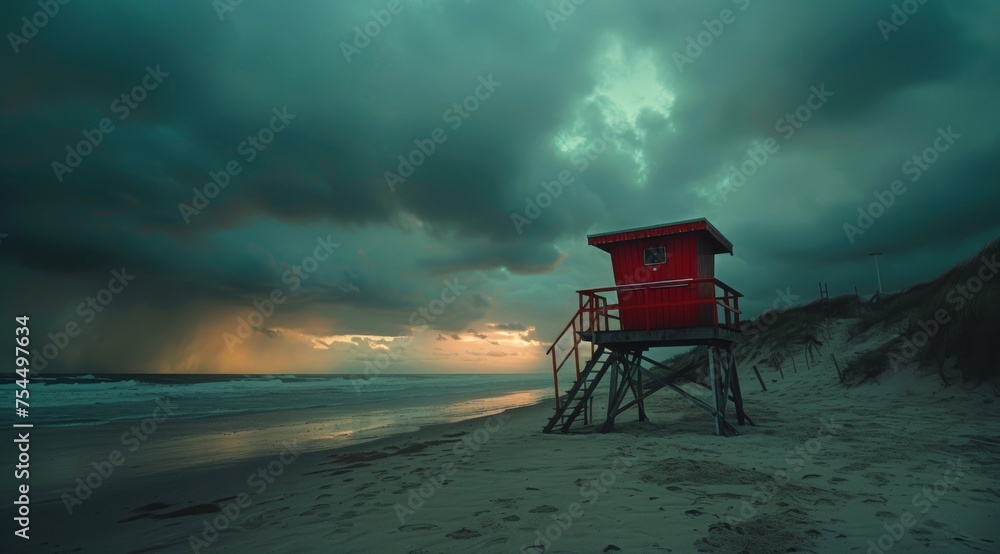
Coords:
719,243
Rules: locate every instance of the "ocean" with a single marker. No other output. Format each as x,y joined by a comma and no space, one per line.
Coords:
163,423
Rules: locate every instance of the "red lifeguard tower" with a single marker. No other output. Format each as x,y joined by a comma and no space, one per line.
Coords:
666,295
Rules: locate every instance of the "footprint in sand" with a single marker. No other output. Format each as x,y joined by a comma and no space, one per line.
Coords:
877,477
419,527
543,509
314,510
463,533
935,524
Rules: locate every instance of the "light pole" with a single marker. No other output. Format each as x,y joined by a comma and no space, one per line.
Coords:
877,272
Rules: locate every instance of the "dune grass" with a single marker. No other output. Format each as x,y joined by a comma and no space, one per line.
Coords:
972,331
955,316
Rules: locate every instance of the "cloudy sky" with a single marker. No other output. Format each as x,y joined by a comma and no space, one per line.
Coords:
120,120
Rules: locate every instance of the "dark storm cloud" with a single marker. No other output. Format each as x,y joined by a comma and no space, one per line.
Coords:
324,174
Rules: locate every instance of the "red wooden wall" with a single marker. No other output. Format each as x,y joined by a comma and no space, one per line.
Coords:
689,255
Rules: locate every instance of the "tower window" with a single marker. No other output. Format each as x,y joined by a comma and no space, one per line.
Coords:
656,255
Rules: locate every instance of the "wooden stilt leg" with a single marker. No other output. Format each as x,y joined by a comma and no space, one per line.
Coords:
714,378
617,392
737,393
724,374
639,396
615,366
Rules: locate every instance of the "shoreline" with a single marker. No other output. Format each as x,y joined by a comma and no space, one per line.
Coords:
175,444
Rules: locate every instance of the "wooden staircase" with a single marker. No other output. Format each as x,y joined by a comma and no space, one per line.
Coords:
570,404
579,398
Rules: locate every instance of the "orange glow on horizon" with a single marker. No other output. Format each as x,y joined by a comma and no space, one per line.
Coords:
288,350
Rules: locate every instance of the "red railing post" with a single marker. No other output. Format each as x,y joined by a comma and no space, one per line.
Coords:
729,300
725,305
555,377
715,311
576,350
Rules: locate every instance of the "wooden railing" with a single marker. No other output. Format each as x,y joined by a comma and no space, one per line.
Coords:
595,313
574,328
724,298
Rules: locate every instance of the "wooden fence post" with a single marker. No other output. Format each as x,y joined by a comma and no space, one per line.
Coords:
839,374
762,386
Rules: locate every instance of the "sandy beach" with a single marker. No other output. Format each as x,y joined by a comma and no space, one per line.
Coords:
907,464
